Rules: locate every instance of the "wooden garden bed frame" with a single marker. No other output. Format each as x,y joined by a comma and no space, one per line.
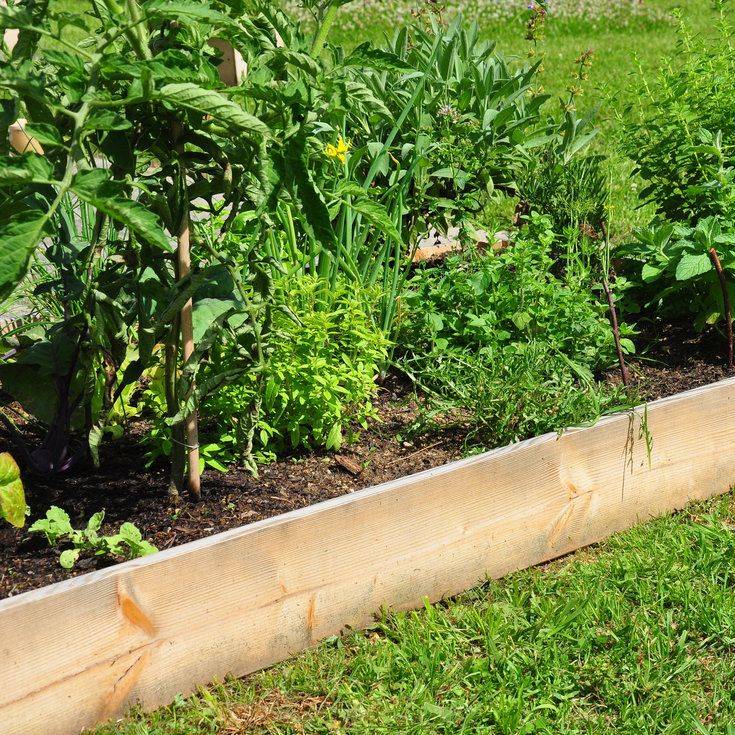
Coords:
82,651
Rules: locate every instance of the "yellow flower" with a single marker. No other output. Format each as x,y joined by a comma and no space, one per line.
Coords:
339,151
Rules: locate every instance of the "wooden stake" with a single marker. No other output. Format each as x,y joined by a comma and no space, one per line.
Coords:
624,374
233,68
11,37
187,336
20,141
725,304
183,257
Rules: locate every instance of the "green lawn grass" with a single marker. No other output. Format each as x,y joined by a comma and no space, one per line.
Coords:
635,636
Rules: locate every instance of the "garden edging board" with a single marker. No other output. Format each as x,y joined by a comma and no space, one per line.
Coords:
85,650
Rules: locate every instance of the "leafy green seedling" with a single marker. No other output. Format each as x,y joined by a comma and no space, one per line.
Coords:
54,526
128,543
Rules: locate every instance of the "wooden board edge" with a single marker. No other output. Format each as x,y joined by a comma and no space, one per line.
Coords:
121,570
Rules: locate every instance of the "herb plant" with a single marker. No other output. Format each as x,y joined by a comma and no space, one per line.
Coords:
681,136
504,347
320,376
682,141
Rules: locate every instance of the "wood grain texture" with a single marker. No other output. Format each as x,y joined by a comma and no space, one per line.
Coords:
87,649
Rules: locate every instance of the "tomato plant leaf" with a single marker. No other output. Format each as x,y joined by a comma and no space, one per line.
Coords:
98,189
19,237
206,312
378,216
26,169
179,9
192,97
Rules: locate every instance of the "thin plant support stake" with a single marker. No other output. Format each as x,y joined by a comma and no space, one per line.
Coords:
624,374
191,423
726,305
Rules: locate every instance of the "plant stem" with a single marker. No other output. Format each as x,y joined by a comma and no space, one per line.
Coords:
624,374
326,26
726,305
178,450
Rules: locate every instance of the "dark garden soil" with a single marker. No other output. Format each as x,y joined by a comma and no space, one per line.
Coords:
129,492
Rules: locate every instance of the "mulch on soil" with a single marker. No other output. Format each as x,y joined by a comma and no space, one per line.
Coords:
677,360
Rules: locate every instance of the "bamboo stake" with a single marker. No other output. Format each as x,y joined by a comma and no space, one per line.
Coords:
20,141
725,304
232,71
183,253
183,259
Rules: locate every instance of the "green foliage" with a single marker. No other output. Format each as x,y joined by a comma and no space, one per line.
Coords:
474,120
13,507
423,129
682,134
503,346
56,527
683,145
573,193
324,356
677,275
136,125
138,129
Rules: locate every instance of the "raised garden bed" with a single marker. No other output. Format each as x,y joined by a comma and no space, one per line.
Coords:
127,491
221,252
84,650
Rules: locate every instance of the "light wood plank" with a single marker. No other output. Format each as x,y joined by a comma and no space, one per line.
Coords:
85,650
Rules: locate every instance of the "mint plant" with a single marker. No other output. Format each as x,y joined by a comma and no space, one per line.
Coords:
504,347
685,270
